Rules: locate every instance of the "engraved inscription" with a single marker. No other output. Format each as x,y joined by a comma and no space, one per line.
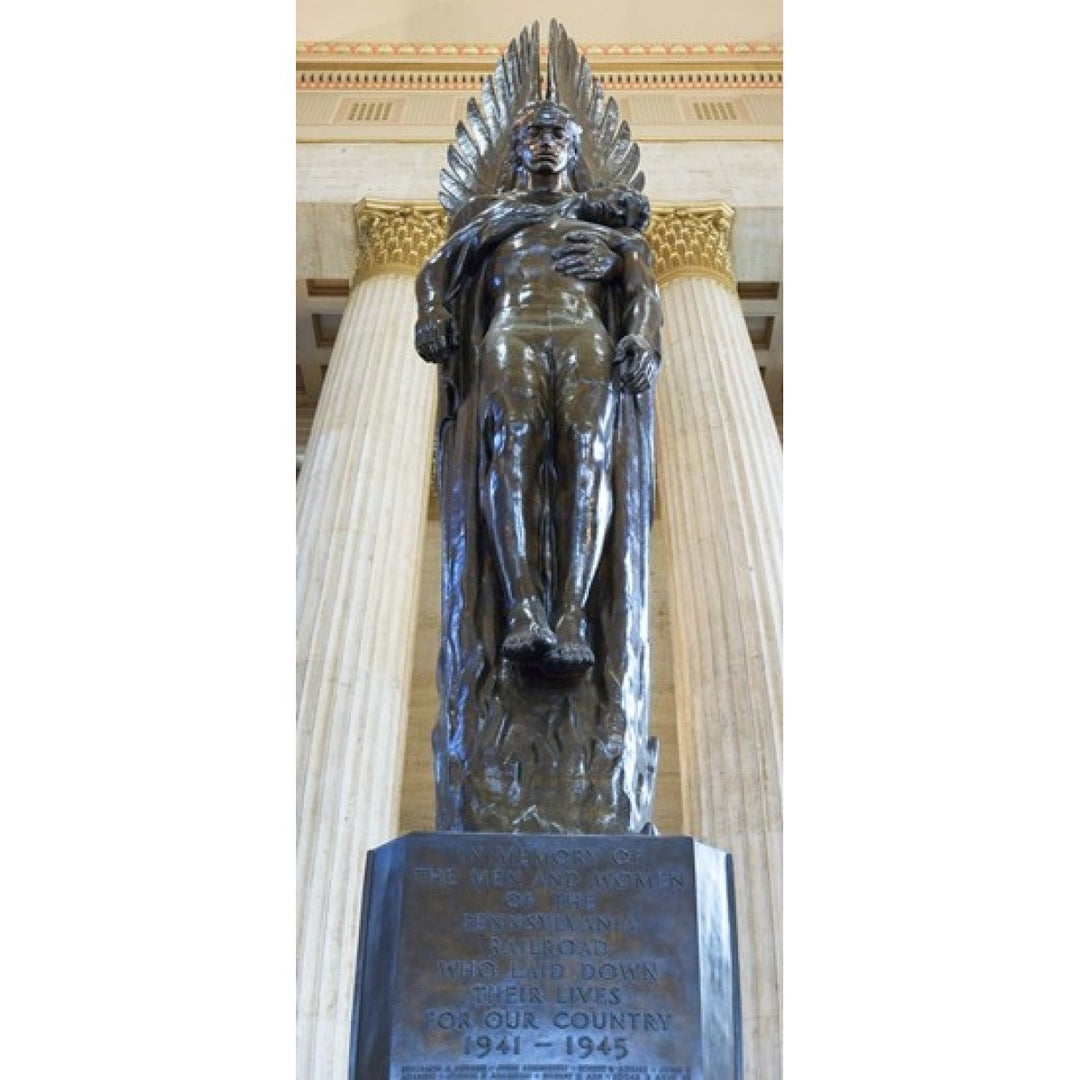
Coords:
540,959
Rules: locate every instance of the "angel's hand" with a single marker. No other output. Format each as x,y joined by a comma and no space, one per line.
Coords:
436,335
585,255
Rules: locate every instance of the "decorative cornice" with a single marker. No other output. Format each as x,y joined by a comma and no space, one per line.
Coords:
686,240
472,51
326,65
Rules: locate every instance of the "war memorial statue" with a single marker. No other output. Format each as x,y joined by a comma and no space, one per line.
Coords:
544,930
543,315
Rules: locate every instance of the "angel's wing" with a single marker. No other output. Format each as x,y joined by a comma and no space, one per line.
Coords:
609,157
479,159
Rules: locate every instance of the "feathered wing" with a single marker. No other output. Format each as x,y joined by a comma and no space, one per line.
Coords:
478,160
609,155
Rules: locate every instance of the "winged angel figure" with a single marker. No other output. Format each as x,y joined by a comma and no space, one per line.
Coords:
542,312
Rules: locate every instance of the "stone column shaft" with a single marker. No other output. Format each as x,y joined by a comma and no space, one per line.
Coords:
719,475
362,502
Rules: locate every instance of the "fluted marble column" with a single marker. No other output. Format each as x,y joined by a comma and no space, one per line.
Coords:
362,501
719,463
362,497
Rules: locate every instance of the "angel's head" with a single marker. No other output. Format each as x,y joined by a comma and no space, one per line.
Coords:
546,138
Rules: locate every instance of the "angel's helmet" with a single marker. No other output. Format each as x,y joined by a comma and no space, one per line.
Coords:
546,137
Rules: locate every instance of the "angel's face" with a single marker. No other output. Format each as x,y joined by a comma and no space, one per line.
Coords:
547,148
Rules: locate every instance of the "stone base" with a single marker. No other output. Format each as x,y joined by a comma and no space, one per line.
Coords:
510,957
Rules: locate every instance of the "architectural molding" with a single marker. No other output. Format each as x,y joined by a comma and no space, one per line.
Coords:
352,91
334,65
693,239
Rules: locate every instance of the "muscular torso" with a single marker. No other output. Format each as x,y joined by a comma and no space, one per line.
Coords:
524,279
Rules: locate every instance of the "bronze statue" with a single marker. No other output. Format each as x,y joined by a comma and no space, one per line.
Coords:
542,312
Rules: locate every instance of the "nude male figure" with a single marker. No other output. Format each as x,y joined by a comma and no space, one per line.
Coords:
548,374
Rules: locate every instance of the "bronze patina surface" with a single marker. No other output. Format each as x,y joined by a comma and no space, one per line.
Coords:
547,958
542,312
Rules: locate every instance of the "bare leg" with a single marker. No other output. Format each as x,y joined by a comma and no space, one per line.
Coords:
583,501
515,435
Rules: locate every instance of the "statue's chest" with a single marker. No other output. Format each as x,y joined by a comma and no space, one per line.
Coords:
530,253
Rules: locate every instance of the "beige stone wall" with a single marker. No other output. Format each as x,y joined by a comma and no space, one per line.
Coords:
331,178
588,20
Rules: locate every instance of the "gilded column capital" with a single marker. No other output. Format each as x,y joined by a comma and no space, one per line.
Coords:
396,235
692,240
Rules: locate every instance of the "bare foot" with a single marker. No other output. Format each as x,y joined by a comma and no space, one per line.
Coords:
571,655
528,636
